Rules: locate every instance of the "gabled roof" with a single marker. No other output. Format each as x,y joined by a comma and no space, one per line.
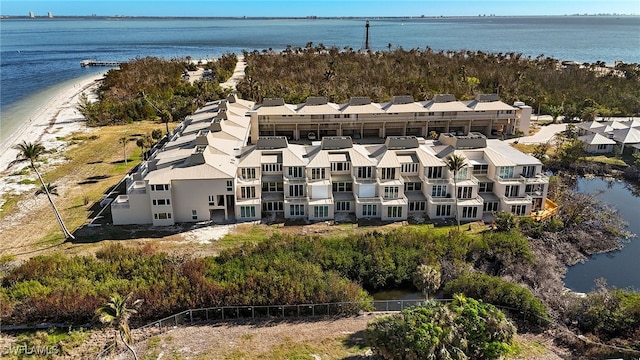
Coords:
389,160
627,136
596,139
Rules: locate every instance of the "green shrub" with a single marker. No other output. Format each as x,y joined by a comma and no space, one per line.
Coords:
463,329
500,293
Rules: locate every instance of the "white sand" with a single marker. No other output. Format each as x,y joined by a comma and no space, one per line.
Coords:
57,118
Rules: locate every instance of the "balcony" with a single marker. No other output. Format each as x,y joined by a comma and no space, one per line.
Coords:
121,202
441,200
516,179
393,201
537,179
520,200
137,187
441,181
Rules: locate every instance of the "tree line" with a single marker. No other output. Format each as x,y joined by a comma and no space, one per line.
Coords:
542,82
152,88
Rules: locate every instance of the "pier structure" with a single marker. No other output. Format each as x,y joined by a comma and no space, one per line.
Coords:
94,62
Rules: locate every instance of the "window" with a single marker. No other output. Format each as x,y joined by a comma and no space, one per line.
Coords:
388,173
417,206
506,172
272,186
511,190
412,186
528,171
434,172
161,202
321,211
194,214
343,206
160,187
364,172
296,172
533,188
229,185
462,174
272,206
464,192
296,190
162,216
490,206
481,169
248,173
602,146
340,166
369,210
469,212
519,210
274,167
247,192
485,187
394,211
443,210
247,211
317,173
439,191
409,168
296,210
342,186
391,192
212,200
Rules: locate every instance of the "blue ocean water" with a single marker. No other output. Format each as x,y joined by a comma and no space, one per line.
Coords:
37,53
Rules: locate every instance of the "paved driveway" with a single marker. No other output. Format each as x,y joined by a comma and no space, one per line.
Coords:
545,134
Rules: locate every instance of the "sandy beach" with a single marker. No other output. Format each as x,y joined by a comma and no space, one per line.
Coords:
56,118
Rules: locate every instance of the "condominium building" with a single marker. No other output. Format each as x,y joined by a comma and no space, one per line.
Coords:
215,168
361,118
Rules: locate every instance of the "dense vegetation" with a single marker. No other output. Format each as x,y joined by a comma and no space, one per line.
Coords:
462,329
502,267
146,88
584,92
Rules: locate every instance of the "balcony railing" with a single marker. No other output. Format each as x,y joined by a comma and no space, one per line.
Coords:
517,200
121,202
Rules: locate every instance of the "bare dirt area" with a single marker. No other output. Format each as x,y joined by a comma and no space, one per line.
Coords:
311,338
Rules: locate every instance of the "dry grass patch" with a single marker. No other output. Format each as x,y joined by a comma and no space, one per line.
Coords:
84,173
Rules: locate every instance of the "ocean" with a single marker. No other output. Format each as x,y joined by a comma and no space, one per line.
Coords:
38,54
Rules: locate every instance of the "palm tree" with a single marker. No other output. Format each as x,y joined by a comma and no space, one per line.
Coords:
455,163
31,152
123,140
427,278
166,117
52,189
117,312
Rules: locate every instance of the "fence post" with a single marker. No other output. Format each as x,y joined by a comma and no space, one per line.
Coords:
191,317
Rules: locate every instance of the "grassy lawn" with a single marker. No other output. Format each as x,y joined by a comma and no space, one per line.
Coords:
93,163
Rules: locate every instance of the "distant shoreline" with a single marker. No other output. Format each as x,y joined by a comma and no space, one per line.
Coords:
432,17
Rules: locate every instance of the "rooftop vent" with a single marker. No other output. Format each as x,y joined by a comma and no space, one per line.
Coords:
443,98
359,100
273,102
216,124
401,142
316,100
336,142
487,97
403,99
272,142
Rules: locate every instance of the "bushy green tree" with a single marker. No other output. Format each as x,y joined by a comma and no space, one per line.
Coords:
463,329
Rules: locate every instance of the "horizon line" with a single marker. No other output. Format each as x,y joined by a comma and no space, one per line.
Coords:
307,17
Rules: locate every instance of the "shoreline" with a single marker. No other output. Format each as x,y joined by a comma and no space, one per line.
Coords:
56,117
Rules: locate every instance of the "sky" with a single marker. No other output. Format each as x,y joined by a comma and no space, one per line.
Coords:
301,8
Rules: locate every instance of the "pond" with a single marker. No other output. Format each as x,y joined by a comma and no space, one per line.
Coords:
620,268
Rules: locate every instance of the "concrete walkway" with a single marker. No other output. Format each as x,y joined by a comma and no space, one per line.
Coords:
238,75
545,134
